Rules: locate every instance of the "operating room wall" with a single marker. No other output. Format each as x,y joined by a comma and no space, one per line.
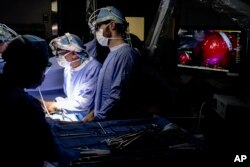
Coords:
72,18
36,17
27,16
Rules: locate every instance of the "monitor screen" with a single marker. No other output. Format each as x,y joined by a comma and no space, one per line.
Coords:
215,50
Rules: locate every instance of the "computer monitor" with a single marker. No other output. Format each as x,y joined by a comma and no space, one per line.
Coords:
210,50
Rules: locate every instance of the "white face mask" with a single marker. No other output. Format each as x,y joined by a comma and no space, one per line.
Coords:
62,61
100,38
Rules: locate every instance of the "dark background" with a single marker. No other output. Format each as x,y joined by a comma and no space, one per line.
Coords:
191,103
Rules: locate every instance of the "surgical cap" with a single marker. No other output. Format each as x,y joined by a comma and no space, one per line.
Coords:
105,14
6,33
69,42
27,50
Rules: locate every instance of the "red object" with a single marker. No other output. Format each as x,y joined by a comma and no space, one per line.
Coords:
184,58
215,50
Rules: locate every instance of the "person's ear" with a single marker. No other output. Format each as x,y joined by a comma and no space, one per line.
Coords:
112,25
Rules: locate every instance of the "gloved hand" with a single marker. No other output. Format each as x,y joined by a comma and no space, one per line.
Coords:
52,107
89,117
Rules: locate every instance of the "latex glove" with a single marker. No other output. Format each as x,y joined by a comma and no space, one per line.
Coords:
59,98
52,107
89,117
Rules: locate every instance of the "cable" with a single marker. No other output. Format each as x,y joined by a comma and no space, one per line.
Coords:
102,128
40,93
199,117
44,106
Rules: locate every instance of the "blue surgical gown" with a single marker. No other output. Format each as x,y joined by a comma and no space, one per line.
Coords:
113,96
80,87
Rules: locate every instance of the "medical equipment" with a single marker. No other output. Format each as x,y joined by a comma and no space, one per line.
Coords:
6,33
40,93
68,42
105,14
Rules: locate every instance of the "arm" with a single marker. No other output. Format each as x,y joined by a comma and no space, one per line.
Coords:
51,106
89,117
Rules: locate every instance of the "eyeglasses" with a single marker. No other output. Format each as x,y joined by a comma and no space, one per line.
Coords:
103,23
60,52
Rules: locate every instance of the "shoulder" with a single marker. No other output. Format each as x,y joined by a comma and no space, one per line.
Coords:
91,48
91,68
127,51
94,63
127,48
130,54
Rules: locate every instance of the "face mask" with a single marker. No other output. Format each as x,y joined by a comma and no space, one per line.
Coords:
62,61
101,39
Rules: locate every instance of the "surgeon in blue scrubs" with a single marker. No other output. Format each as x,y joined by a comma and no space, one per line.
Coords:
81,71
116,84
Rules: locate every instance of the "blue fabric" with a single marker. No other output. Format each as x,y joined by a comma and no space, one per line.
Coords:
80,84
80,87
114,82
110,13
91,48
